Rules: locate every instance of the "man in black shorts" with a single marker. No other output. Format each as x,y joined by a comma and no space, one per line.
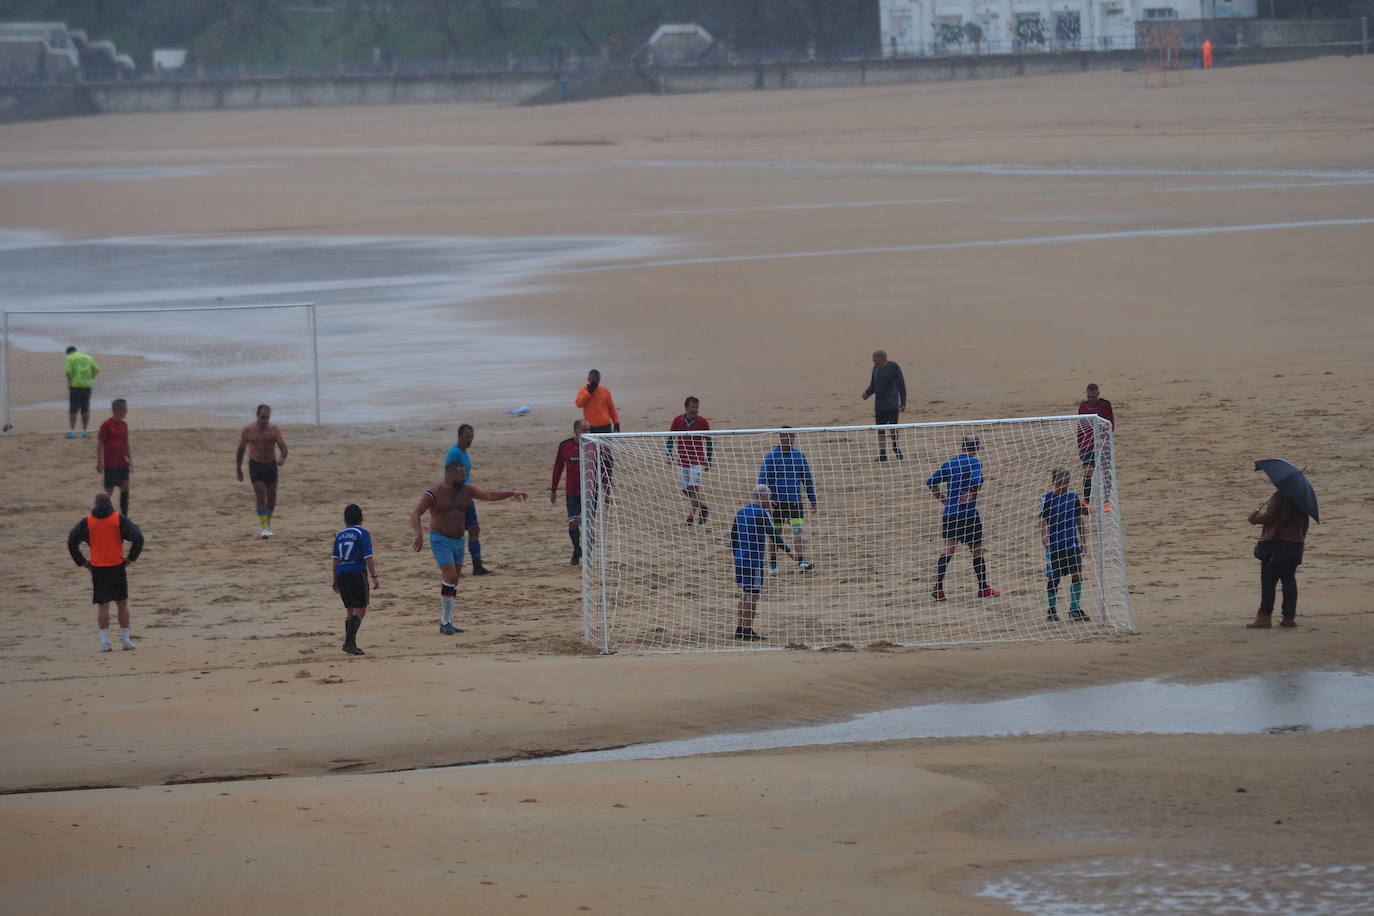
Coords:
890,388
261,439
105,531
81,372
353,563
960,523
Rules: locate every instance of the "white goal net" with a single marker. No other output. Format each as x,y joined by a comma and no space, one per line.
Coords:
167,362
866,536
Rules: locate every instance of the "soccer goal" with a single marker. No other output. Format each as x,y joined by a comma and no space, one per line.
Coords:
661,575
203,360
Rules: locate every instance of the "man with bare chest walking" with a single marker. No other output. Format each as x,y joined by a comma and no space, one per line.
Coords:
261,439
447,504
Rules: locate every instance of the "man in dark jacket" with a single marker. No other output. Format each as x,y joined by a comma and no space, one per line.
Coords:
105,531
1279,551
890,388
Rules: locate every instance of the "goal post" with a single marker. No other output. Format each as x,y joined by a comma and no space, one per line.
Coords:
659,578
192,359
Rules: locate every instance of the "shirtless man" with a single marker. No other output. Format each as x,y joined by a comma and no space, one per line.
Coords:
261,439
447,504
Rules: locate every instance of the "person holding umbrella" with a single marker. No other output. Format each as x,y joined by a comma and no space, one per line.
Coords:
1279,549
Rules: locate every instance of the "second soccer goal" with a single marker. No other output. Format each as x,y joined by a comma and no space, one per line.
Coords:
921,534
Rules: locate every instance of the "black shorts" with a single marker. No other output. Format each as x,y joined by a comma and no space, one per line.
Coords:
262,472
574,504
1064,563
79,399
1088,456
352,589
109,583
783,513
885,417
966,529
115,477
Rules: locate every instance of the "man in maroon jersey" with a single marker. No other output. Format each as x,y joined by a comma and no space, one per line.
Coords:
693,457
1094,403
112,454
570,458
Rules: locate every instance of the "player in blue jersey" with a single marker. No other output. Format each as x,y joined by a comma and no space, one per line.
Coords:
753,528
459,452
786,474
962,477
353,563
1061,534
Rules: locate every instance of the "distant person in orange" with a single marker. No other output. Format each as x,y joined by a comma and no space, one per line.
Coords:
598,407
1207,54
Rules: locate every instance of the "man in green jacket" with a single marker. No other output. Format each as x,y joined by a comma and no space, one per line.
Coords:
81,373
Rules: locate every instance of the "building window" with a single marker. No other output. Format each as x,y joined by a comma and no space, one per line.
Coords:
1161,12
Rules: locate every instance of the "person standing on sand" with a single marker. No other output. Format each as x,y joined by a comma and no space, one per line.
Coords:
598,407
447,503
1094,403
81,373
352,564
753,528
960,522
889,386
787,475
1279,550
105,531
459,452
112,455
1061,534
693,457
261,439
569,458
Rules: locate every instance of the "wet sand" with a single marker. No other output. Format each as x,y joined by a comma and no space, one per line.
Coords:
1201,253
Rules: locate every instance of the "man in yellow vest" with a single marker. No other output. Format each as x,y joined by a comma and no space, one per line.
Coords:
81,373
105,530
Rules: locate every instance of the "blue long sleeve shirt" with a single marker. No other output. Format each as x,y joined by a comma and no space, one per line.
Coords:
786,473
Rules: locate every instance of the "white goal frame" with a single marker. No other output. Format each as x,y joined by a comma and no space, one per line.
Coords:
1107,591
6,419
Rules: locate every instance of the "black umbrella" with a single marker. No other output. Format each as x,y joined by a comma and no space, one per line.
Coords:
1291,482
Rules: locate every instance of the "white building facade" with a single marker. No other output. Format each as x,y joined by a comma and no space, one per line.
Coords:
919,27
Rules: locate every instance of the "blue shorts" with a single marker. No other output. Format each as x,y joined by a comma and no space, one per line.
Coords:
446,549
470,517
749,575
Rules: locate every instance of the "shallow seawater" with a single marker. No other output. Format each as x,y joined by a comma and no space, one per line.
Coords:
1308,701
1112,886
394,337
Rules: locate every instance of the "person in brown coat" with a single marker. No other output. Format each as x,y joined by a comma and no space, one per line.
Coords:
1279,551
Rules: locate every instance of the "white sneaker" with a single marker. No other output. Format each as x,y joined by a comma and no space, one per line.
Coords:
128,645
106,647
267,532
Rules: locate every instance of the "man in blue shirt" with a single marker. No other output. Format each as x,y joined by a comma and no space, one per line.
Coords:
1061,530
962,476
786,474
459,452
352,563
753,528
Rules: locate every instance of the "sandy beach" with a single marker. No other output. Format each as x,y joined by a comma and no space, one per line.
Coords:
1201,252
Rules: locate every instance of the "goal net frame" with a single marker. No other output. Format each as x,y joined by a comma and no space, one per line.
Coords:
6,384
614,616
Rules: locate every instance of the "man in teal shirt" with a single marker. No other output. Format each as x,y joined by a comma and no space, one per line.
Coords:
81,373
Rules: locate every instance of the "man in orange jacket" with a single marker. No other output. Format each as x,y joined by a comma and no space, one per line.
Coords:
106,531
598,407
1207,54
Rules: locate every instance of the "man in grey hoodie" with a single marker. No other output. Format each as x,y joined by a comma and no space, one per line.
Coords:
890,388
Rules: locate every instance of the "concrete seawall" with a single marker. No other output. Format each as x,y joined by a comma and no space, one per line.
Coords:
545,86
